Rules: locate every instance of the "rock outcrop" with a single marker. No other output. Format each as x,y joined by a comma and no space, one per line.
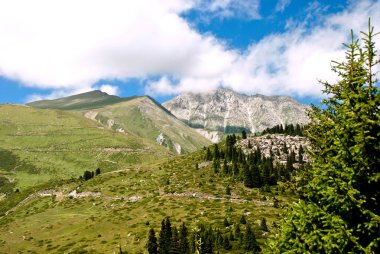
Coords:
227,111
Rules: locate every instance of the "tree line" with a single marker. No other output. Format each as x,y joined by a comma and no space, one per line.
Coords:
254,169
288,129
203,239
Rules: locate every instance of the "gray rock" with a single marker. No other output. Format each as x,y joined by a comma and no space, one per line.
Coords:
227,111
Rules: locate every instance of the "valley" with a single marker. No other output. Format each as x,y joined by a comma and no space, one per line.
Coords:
47,205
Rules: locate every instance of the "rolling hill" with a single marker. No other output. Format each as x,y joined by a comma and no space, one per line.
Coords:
137,116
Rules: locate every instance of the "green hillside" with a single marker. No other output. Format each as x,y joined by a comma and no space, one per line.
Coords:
93,99
40,145
139,116
117,209
145,118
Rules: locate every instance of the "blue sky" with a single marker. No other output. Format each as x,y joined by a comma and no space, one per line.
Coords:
51,49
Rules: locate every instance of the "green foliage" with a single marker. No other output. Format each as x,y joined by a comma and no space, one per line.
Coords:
250,240
263,225
87,175
243,220
290,129
339,207
243,134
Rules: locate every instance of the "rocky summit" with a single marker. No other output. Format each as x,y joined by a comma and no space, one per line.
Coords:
227,111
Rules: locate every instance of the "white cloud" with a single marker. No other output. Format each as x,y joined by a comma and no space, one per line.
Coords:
281,5
289,63
68,46
109,89
247,9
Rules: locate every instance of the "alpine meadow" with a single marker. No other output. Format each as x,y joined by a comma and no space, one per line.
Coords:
189,166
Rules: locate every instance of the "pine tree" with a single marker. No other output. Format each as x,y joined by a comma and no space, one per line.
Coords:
174,248
228,190
237,231
257,180
248,178
339,210
208,154
226,244
250,240
243,134
263,225
226,223
300,154
183,241
216,152
243,220
165,237
152,242
225,167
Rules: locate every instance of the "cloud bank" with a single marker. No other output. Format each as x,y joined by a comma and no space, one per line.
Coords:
68,46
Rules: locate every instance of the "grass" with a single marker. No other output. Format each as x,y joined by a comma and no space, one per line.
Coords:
39,145
101,224
141,183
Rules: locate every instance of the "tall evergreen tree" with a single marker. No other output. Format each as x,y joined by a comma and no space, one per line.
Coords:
257,180
243,134
174,248
263,225
152,242
300,154
339,210
165,237
248,178
250,240
184,247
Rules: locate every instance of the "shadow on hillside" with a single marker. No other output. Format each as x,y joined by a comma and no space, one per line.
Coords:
9,161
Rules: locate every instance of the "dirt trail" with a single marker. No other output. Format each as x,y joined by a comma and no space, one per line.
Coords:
212,197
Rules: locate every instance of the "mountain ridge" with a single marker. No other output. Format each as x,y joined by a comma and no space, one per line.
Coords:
227,111
141,116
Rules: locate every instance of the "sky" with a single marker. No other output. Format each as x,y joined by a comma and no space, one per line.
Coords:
56,48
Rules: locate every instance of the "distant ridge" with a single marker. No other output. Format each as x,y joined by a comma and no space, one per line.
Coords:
88,100
227,111
140,116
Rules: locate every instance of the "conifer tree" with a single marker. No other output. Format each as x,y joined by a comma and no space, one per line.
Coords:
243,134
339,210
183,241
300,154
250,240
243,220
152,242
226,244
263,225
248,178
165,237
174,248
237,231
225,167
257,180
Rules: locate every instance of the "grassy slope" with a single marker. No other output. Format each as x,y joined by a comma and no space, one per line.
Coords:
144,118
100,224
89,100
38,145
140,116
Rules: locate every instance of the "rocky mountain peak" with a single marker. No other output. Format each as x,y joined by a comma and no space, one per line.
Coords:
227,111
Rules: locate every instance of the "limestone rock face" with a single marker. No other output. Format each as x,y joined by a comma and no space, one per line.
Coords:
227,111
275,144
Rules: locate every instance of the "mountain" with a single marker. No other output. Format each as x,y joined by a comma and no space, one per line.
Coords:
227,111
93,99
137,116
39,145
